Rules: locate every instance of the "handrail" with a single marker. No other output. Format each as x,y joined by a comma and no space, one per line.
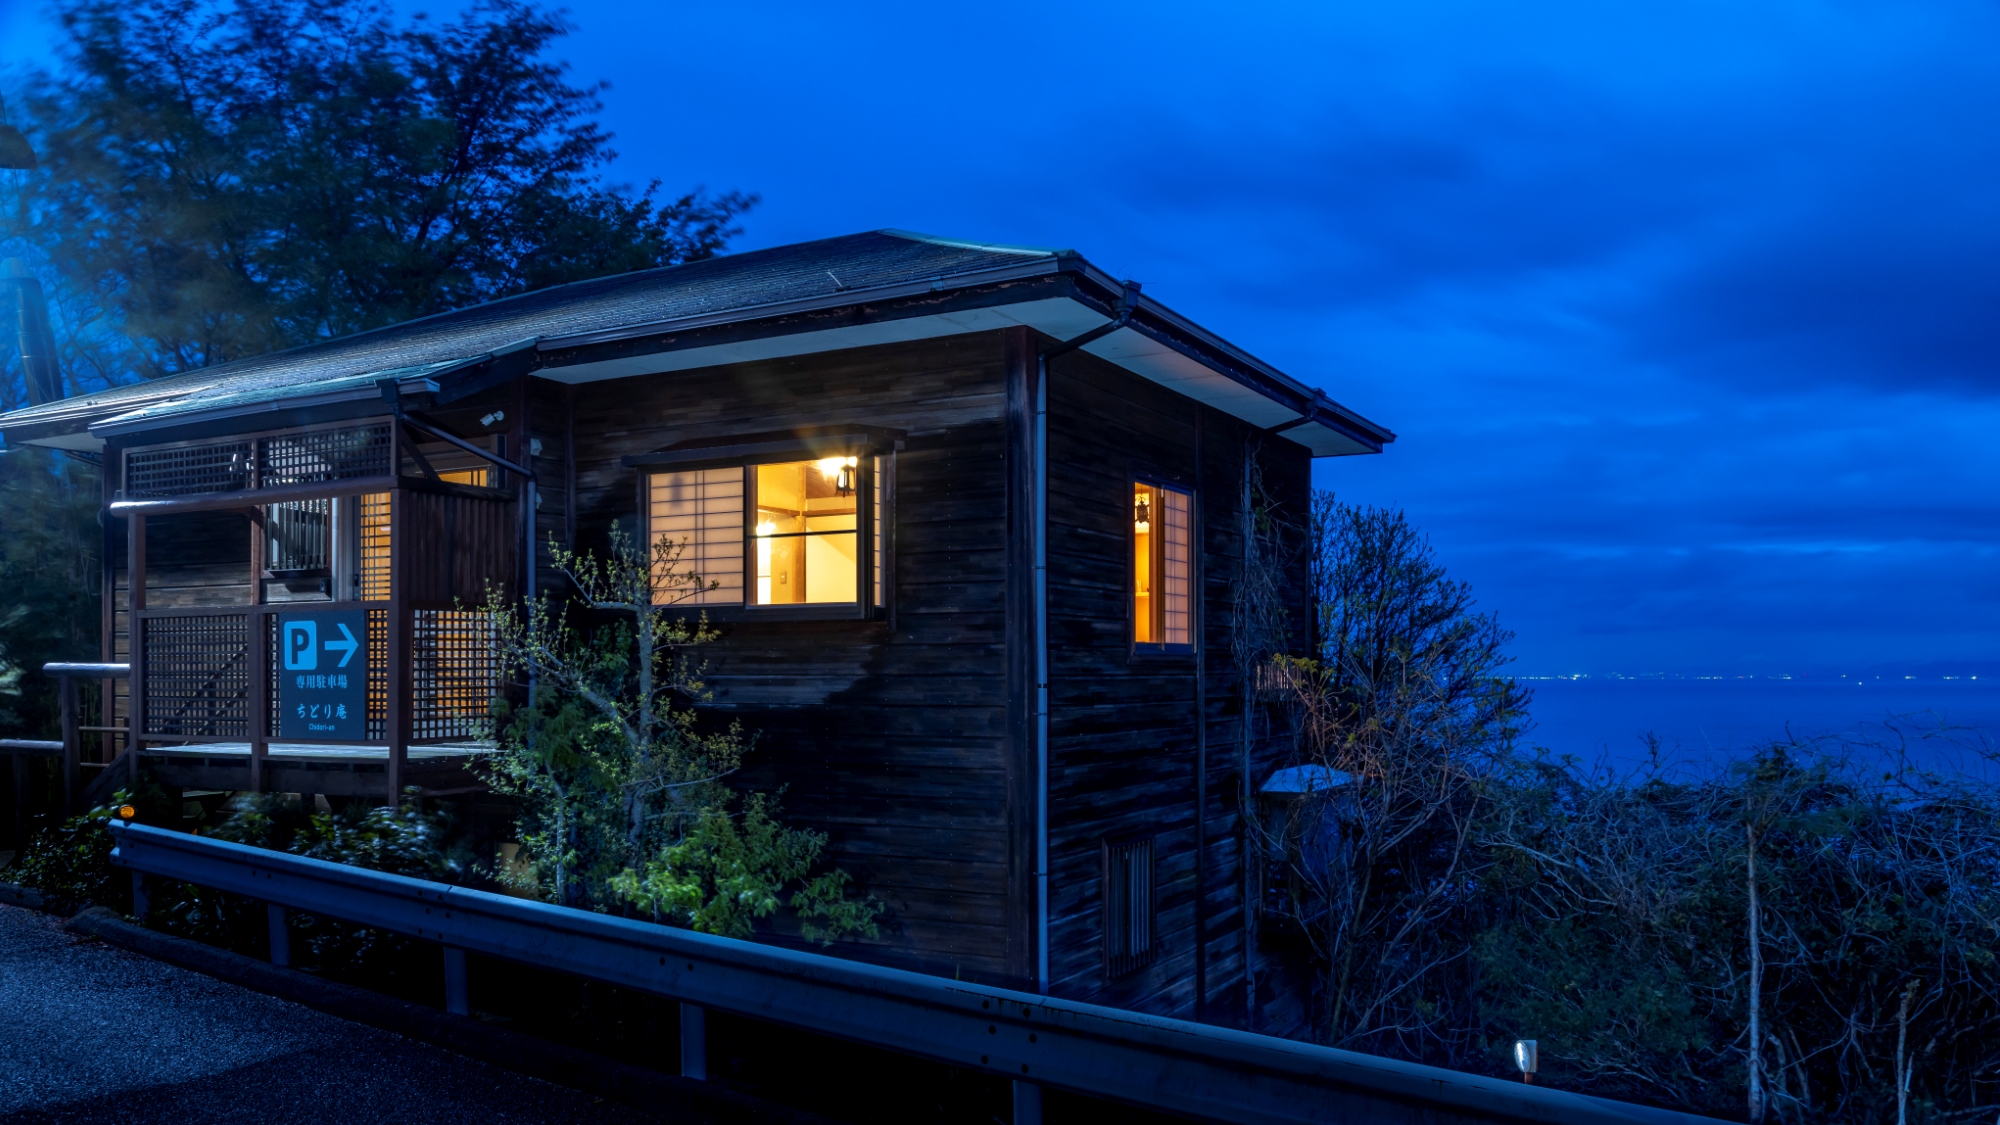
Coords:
88,671
1184,1068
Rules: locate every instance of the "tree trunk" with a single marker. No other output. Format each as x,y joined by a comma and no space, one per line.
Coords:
1902,1056
1756,1062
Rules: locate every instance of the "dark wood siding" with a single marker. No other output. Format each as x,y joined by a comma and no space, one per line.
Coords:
1123,737
890,740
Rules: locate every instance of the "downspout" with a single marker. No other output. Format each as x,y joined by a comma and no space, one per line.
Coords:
1127,302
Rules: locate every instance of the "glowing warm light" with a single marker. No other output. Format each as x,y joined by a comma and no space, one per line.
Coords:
829,467
127,812
767,528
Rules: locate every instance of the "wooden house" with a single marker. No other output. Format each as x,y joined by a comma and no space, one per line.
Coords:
979,514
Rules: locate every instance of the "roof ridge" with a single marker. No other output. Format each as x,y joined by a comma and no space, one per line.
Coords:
966,244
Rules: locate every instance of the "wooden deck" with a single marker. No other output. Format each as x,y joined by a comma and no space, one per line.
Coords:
343,770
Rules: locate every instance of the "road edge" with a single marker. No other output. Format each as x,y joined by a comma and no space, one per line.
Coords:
675,1097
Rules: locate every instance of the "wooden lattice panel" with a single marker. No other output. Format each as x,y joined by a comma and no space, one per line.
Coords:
454,674
319,456
305,457
188,470
197,675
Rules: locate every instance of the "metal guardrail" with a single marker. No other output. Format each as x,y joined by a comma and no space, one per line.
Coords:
1183,1068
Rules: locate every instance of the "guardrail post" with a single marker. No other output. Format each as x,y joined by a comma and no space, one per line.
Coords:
694,1042
141,900
281,936
457,992
1027,1103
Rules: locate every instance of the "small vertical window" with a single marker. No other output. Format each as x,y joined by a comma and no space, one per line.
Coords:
1162,567
702,509
1128,906
880,547
375,547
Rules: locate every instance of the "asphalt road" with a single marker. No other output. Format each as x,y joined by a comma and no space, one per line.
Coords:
91,1033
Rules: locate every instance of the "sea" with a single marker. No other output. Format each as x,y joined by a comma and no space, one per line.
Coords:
1943,724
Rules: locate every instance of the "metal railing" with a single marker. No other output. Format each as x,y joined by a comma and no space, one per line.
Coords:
1183,1068
70,748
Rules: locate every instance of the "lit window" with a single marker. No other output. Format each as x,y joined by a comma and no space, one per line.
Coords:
703,510
800,546
805,532
1128,905
1162,567
375,547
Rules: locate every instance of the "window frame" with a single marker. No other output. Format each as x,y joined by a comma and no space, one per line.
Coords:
875,453
1141,651
864,544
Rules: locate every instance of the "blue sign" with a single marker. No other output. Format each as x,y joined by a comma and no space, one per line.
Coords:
323,675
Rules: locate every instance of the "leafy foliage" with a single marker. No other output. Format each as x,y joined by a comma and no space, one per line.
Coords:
222,179
624,793
49,568
1453,893
1621,931
404,840
70,862
1403,712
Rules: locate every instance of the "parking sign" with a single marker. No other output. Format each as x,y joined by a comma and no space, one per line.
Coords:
323,675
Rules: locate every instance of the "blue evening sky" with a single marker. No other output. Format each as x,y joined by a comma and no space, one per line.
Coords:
1688,314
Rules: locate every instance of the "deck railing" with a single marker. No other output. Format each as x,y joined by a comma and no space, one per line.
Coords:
198,672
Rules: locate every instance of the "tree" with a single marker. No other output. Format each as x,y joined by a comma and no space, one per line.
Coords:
1867,986
623,792
221,179
50,570
1403,710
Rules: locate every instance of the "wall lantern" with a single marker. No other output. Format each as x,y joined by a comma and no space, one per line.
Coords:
839,470
1142,516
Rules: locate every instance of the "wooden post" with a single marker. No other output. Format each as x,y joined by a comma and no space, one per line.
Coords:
72,739
257,650
135,636
108,598
398,724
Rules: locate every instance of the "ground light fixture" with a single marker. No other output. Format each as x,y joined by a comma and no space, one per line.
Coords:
1524,1058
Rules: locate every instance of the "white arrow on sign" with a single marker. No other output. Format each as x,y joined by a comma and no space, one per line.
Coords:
345,648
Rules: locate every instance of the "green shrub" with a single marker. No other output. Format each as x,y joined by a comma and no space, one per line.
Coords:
70,863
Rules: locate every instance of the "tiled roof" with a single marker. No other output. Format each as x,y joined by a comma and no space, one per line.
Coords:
732,282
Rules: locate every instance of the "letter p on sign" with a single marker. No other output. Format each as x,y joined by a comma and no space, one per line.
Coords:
301,646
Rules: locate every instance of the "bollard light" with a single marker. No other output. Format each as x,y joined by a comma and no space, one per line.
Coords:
1524,1058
